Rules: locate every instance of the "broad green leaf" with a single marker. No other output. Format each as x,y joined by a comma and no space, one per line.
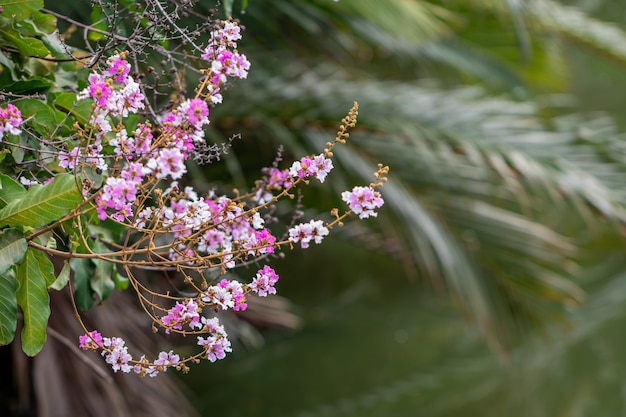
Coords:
34,274
46,23
83,271
64,276
67,102
45,116
19,9
12,248
30,86
8,307
26,46
43,204
10,190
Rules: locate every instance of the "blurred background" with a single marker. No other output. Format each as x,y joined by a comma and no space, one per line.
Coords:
493,281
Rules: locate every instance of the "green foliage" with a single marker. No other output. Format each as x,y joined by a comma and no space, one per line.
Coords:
10,190
63,278
12,248
34,274
84,295
43,204
8,307
67,102
19,10
102,282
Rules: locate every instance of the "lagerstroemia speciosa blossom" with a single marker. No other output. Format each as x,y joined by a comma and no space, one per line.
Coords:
10,121
203,236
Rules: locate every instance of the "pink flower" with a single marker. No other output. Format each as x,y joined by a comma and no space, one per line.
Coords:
307,232
266,239
237,292
363,201
219,297
263,283
182,313
143,140
133,173
196,112
10,119
118,68
169,162
213,326
123,145
215,347
91,340
166,359
320,167
99,91
217,344
68,159
301,168
279,178
118,194
224,59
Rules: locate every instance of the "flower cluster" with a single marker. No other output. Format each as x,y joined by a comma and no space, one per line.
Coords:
187,316
317,167
115,353
10,120
225,60
307,232
176,227
363,201
263,283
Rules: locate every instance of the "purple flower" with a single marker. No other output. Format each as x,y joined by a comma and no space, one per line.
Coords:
363,201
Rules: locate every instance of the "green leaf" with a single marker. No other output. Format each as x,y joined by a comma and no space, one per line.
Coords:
30,86
83,271
8,307
19,9
46,23
45,115
34,275
98,22
26,46
102,280
9,65
3,154
64,276
67,102
43,204
121,281
12,248
10,190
